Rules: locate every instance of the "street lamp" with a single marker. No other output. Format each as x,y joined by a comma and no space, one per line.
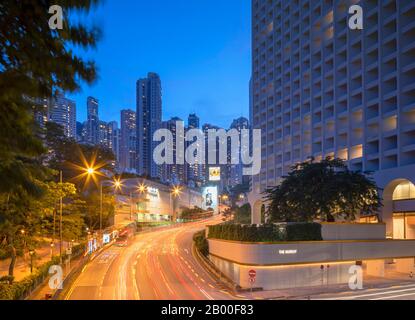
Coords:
91,172
142,188
175,192
31,253
117,184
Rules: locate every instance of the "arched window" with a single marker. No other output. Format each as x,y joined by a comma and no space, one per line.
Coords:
404,191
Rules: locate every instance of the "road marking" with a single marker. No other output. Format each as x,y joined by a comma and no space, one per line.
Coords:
206,294
397,296
374,294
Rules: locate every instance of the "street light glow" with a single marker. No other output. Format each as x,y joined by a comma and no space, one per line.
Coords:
142,188
117,184
176,191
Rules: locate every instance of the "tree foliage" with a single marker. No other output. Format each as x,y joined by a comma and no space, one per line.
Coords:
35,62
324,191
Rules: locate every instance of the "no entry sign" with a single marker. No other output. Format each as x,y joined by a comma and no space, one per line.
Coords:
252,274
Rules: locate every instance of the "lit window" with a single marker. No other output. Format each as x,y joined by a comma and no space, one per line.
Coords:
404,191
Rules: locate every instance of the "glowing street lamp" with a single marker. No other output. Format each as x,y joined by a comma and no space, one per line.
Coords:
142,188
176,191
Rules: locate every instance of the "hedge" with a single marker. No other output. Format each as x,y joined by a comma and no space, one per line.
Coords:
201,243
21,289
266,233
248,233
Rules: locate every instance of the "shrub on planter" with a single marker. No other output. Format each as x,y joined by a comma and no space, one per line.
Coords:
304,232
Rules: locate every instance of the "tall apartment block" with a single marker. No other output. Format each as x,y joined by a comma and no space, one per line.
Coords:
175,174
235,174
128,141
149,115
59,110
92,124
320,89
194,171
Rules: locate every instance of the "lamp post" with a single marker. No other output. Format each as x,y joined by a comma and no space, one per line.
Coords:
175,193
117,185
31,253
91,172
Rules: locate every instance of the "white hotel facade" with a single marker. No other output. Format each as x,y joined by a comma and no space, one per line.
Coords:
320,89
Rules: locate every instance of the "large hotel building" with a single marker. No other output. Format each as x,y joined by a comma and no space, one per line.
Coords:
321,89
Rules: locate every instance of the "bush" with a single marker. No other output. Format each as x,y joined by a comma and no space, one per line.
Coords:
243,214
304,232
247,233
201,243
4,254
266,233
20,290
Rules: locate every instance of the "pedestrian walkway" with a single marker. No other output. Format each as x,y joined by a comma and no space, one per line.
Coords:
44,292
392,279
22,267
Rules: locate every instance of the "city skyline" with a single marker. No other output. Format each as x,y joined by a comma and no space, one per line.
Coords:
207,70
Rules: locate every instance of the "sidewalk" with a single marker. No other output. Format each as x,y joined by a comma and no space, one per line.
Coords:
22,267
306,293
44,292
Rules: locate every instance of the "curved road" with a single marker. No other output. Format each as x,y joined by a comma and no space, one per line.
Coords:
157,266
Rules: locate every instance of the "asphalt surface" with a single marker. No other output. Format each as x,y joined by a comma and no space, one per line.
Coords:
397,292
155,266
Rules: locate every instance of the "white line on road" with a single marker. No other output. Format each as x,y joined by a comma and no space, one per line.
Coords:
375,294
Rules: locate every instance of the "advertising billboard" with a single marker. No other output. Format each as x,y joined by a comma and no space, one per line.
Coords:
210,198
214,174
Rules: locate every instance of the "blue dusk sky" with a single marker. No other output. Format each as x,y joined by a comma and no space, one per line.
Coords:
200,49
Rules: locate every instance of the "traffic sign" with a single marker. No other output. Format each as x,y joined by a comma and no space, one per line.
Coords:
252,274
252,280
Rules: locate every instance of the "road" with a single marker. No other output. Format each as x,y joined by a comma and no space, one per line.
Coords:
156,266
397,292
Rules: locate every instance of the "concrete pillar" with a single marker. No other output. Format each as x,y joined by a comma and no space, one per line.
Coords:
405,265
256,212
375,268
255,200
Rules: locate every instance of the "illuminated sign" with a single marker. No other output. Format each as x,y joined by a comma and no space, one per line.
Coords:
153,192
106,239
287,252
210,198
214,174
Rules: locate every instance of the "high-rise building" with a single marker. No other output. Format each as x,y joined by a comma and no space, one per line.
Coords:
41,111
321,89
114,139
176,173
103,136
128,141
62,111
194,171
193,121
235,167
92,125
206,165
149,115
79,131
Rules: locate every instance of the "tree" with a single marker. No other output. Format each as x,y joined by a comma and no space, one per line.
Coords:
243,214
325,191
93,208
66,155
35,62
